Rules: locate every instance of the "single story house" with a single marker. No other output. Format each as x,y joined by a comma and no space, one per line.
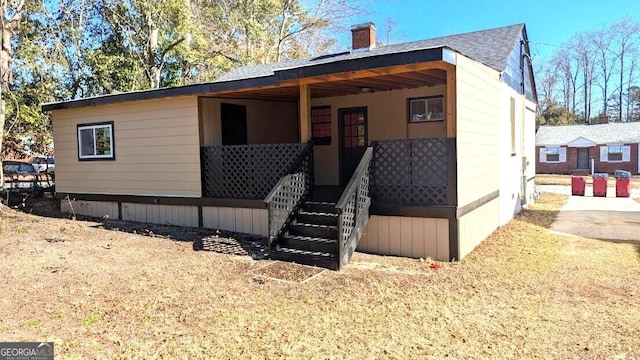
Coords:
581,149
419,149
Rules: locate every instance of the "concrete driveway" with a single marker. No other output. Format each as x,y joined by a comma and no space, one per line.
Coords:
607,218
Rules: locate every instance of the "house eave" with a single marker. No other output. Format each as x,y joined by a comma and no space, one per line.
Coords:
278,77
581,142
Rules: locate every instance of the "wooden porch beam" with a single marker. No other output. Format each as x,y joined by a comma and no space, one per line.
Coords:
451,101
370,73
305,113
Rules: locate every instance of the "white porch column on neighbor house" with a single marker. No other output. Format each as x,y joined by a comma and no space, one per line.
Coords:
305,113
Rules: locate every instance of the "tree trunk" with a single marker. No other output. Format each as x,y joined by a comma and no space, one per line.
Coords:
586,95
2,107
8,28
154,67
621,85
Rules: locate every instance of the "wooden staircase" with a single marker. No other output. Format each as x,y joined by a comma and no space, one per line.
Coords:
318,232
312,238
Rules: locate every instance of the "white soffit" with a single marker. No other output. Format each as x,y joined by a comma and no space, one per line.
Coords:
581,142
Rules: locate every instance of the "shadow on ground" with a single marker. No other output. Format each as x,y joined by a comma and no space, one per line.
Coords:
537,217
219,241
634,243
40,206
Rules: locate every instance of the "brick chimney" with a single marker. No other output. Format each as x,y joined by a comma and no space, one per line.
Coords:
603,119
363,37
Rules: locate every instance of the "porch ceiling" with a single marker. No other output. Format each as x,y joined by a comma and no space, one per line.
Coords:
347,86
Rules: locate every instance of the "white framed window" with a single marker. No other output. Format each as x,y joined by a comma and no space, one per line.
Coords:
553,154
95,141
615,153
425,109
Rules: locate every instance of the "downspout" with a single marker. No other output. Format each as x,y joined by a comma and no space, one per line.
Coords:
525,161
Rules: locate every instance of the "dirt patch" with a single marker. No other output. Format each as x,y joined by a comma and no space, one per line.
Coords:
522,293
291,272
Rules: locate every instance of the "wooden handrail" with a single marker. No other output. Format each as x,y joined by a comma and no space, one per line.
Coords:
288,194
351,222
351,186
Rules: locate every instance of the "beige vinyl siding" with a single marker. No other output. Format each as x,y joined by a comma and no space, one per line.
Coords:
249,221
179,215
406,236
100,209
387,119
477,226
478,130
156,149
268,122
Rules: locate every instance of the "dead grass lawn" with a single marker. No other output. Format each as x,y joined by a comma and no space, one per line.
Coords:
523,293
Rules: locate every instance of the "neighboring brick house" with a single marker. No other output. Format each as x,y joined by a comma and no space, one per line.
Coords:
584,148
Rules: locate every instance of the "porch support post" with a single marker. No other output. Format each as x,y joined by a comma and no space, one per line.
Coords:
305,113
451,101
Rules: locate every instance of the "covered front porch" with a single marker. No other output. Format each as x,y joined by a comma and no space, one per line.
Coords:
341,114
328,151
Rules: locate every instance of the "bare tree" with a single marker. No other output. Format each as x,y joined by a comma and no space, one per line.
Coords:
631,78
390,32
605,63
568,72
547,82
582,50
626,33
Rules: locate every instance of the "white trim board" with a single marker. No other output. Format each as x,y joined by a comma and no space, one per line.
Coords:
581,142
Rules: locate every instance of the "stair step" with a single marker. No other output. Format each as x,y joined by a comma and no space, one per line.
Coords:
314,230
308,243
314,258
320,207
320,218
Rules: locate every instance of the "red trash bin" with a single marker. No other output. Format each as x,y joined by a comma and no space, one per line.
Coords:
600,184
578,183
623,187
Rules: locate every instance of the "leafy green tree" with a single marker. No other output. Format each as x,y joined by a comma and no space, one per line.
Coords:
152,30
554,114
59,50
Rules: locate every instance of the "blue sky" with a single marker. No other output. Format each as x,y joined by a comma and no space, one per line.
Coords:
548,21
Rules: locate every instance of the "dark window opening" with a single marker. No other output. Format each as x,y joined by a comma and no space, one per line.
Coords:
615,153
321,125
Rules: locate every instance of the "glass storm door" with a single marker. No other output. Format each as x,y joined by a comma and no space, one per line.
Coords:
353,140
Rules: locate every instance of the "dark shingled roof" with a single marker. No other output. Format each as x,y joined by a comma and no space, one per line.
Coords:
491,47
613,133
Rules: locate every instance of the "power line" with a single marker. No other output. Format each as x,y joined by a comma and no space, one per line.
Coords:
546,44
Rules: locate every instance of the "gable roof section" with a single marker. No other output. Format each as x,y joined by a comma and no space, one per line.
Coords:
581,142
518,73
598,133
492,47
